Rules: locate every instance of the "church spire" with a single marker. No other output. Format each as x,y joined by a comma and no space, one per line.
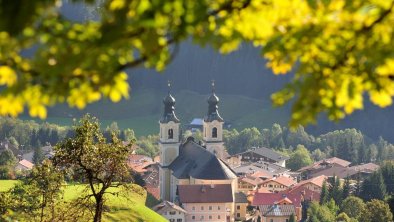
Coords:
169,107
213,101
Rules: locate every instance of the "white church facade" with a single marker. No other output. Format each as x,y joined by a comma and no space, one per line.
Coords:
193,165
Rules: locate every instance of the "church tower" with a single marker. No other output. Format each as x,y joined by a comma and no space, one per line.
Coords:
213,126
169,143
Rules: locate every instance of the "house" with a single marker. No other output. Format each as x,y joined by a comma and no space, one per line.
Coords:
195,124
278,183
263,154
189,166
151,178
338,167
46,150
139,162
241,204
7,145
212,202
250,168
314,184
171,211
279,206
276,212
24,165
246,184
325,167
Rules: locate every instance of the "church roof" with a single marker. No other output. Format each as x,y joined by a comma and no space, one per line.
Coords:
210,193
197,162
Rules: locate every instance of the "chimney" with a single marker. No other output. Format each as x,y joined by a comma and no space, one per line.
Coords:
203,189
212,186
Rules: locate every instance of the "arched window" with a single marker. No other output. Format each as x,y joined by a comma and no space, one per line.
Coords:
170,134
214,132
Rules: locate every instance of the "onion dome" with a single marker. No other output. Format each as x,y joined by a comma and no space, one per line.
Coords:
213,101
169,108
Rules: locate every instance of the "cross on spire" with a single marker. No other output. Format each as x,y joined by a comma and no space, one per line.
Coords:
169,86
213,85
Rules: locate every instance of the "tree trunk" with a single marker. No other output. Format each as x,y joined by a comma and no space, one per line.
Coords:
99,208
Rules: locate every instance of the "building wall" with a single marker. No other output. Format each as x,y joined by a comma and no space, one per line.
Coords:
245,187
207,211
254,157
20,167
164,127
174,216
207,131
282,163
274,186
165,184
240,211
275,219
312,187
169,150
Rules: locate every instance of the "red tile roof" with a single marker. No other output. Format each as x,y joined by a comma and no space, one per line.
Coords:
29,165
318,181
253,181
155,191
284,180
261,174
215,193
332,160
166,206
368,167
295,195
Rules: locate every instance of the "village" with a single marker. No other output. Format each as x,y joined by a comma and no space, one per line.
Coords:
197,180
200,181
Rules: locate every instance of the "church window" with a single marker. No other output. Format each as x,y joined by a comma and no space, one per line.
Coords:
215,132
170,134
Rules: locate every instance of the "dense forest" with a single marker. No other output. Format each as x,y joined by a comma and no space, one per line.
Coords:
349,144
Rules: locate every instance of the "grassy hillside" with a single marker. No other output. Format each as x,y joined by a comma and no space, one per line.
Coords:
130,207
5,185
145,107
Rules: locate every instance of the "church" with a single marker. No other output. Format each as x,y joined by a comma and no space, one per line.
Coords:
191,170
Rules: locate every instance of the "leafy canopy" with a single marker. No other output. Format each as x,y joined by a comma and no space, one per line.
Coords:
339,50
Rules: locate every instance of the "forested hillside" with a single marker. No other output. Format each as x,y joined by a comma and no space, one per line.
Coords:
243,84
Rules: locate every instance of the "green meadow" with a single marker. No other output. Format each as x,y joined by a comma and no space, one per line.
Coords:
127,207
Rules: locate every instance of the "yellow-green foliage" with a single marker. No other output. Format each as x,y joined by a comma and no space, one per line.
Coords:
339,50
